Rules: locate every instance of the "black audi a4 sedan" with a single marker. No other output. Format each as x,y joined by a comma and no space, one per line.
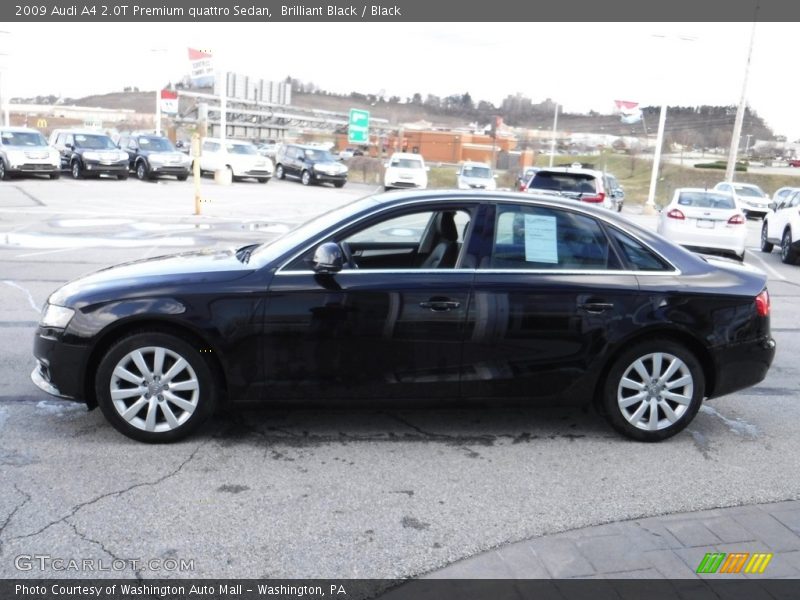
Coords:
440,295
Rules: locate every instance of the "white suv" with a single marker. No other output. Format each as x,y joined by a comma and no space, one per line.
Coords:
475,175
24,150
749,197
405,170
240,157
782,226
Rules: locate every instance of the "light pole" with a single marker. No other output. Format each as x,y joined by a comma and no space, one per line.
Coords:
156,52
553,141
737,125
3,77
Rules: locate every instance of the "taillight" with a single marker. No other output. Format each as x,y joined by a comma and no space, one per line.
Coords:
736,220
676,214
762,304
594,199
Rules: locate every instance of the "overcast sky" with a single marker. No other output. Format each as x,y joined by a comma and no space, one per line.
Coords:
582,65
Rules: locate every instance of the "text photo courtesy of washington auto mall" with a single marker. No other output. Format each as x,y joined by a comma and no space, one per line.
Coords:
398,301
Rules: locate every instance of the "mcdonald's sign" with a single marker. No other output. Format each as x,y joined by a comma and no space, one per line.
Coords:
734,562
41,122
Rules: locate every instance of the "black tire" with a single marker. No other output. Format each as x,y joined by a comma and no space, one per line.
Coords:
263,179
122,176
279,173
788,253
142,171
76,170
182,177
614,393
305,178
203,399
765,245
4,174
339,184
55,175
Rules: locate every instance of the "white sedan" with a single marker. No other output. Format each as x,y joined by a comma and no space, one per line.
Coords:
704,220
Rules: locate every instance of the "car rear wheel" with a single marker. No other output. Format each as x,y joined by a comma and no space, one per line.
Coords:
279,172
305,178
788,253
3,172
339,184
76,170
55,175
765,245
263,179
653,390
182,177
155,387
122,176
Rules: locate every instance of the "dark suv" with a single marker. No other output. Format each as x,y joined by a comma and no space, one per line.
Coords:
89,153
577,183
152,155
310,164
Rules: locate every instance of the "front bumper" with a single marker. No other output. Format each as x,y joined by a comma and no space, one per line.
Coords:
34,168
327,177
96,166
60,367
166,169
259,173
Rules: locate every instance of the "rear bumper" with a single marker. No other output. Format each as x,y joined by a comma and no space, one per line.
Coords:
719,238
742,365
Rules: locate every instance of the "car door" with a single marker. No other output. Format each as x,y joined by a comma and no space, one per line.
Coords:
391,328
550,295
777,222
63,144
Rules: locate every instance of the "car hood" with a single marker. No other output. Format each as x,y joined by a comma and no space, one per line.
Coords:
162,274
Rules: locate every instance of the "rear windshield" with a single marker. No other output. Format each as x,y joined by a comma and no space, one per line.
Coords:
706,200
477,171
564,182
406,163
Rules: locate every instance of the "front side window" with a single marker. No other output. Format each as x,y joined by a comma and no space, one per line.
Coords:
534,237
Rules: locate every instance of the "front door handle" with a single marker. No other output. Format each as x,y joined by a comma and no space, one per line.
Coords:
596,307
440,304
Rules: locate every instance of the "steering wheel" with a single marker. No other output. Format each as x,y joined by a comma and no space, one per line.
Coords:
348,255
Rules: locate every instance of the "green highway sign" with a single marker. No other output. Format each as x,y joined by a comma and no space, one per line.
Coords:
358,127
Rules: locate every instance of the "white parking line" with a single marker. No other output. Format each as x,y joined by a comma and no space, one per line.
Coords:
31,301
770,270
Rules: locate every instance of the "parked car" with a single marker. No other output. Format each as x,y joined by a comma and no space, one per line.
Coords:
150,156
782,193
477,176
268,149
349,153
782,227
25,151
310,164
405,170
749,197
238,156
574,182
525,176
88,153
452,295
616,191
705,221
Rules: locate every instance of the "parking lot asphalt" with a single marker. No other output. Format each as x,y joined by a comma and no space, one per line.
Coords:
370,493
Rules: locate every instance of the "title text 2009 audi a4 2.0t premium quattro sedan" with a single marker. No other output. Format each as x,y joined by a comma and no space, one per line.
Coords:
416,295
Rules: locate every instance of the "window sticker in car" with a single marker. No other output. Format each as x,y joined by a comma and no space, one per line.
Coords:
540,239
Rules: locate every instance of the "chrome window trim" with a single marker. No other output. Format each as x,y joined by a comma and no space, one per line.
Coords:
496,200
596,272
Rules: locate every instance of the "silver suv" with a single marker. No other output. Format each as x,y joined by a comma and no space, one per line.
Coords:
24,150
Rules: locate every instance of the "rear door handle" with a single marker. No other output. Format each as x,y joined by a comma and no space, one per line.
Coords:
596,307
440,304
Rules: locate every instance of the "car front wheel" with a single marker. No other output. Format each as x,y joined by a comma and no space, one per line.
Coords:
76,170
142,172
279,172
653,390
788,253
3,172
155,387
765,245
305,178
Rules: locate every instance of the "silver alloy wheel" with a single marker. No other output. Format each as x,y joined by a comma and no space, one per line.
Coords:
154,389
141,172
655,391
76,170
306,178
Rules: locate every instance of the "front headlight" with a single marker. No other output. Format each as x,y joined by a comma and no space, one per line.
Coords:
57,317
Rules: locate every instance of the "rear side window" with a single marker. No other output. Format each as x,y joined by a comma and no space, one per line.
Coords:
533,237
637,255
706,200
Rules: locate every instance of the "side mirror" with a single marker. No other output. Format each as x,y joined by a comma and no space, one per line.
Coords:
772,206
68,146
328,258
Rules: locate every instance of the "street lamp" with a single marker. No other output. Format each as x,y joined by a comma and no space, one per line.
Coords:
156,52
3,100
737,125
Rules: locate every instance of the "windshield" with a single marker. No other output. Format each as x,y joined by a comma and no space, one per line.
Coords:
706,200
23,138
241,149
157,144
94,142
746,190
275,248
406,163
319,155
480,172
